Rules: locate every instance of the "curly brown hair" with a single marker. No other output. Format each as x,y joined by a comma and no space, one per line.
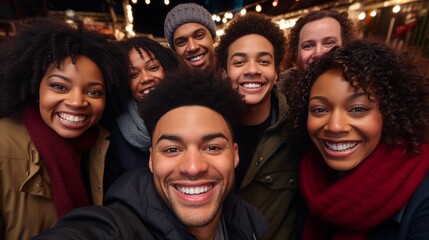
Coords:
40,42
251,23
347,30
391,78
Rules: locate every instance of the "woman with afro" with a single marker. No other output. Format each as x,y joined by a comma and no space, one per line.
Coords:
56,81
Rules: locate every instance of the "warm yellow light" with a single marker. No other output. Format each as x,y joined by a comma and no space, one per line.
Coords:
373,13
258,8
275,3
362,16
396,9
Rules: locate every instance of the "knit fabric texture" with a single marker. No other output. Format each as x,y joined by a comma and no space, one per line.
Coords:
186,13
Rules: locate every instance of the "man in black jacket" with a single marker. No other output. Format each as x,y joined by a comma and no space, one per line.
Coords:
190,116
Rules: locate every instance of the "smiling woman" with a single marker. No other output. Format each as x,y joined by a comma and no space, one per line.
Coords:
72,98
51,145
361,113
130,141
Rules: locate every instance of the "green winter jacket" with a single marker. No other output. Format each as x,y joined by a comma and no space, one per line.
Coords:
271,182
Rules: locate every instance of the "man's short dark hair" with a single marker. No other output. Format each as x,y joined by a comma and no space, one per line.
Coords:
251,23
190,87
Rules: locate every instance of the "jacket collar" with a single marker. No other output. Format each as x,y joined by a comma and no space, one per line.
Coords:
136,189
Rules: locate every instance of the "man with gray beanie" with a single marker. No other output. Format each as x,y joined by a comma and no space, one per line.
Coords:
191,33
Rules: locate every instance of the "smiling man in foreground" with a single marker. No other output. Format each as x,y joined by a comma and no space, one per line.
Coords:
193,156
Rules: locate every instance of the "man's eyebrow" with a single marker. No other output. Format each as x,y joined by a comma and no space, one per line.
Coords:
213,136
169,137
238,54
176,138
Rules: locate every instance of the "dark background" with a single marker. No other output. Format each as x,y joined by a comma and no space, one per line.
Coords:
147,18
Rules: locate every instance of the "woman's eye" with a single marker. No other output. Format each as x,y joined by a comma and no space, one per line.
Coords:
318,110
153,68
133,75
359,109
95,93
58,87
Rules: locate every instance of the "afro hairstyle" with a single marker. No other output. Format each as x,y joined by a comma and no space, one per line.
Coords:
41,42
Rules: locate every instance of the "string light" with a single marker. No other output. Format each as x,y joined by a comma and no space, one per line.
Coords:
373,13
362,16
396,9
275,3
166,2
258,8
147,2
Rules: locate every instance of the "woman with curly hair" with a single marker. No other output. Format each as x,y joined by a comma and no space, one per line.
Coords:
363,112
130,141
312,36
55,83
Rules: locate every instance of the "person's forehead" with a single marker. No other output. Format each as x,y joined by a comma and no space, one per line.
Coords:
189,28
194,117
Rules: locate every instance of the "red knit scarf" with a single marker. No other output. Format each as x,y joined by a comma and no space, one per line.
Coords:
61,158
349,207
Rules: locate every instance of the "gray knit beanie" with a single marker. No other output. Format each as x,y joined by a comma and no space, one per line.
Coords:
185,13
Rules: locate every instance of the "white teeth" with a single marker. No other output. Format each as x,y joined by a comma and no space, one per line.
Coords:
197,58
252,85
146,91
194,190
72,119
340,146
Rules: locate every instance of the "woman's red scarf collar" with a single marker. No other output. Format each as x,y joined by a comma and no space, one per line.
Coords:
349,207
61,159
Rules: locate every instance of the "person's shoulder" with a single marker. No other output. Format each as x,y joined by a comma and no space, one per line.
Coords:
244,217
130,186
14,135
114,222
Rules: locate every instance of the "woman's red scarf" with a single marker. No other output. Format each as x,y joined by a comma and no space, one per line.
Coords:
349,207
61,158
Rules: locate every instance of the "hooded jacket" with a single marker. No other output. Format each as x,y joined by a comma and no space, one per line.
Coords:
134,210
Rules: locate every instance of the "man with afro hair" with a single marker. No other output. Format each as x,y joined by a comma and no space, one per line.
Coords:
249,53
190,117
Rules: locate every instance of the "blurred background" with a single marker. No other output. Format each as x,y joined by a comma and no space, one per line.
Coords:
400,23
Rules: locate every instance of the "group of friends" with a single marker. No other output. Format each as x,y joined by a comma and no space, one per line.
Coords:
314,135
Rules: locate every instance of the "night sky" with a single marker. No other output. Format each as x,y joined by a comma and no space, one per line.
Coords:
148,18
